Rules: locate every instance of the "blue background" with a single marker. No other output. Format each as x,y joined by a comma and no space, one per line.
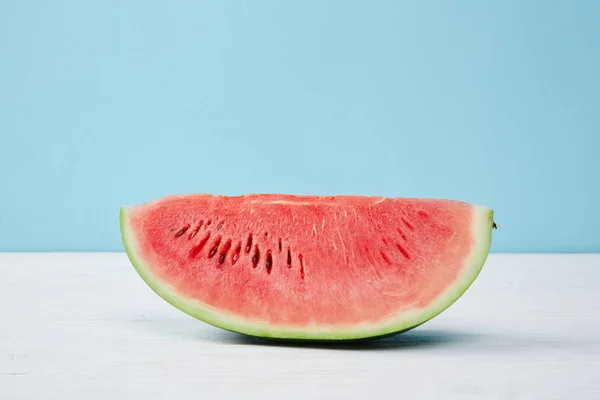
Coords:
109,103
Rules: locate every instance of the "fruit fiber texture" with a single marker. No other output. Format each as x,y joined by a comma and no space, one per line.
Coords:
308,267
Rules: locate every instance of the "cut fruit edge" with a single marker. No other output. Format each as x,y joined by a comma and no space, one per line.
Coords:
482,237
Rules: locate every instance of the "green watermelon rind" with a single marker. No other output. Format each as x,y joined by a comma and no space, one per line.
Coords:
473,264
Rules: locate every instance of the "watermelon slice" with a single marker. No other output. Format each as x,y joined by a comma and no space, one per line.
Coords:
308,267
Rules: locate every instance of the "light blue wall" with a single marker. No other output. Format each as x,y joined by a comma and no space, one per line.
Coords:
115,102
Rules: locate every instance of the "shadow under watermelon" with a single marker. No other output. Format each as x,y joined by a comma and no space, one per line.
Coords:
416,338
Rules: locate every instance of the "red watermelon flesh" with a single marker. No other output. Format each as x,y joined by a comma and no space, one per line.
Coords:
308,267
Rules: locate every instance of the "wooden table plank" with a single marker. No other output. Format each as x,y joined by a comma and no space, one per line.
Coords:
84,325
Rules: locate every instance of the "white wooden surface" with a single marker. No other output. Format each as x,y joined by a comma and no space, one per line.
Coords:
84,326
